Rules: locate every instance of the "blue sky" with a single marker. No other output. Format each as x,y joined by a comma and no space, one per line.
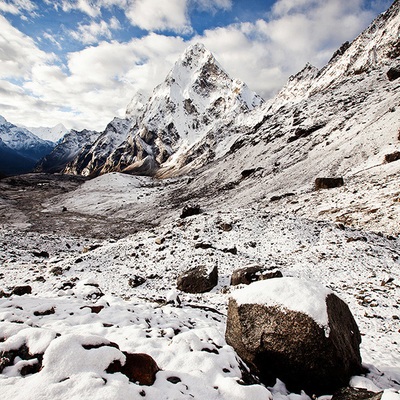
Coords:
79,62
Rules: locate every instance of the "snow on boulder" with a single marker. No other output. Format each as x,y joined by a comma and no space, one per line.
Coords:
297,331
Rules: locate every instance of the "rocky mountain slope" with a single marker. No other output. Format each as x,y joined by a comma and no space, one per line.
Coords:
20,148
92,157
66,150
345,124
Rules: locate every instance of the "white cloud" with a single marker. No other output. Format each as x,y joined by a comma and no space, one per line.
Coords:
155,15
17,6
18,52
90,33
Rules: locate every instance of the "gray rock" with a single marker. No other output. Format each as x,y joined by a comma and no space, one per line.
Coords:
198,280
276,342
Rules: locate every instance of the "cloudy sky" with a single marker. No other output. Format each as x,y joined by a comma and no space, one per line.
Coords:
79,62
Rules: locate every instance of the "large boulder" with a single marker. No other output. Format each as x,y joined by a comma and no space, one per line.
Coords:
198,279
297,331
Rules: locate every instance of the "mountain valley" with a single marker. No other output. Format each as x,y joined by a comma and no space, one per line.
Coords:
306,183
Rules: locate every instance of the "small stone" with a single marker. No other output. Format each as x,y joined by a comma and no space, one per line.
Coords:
159,240
136,281
174,379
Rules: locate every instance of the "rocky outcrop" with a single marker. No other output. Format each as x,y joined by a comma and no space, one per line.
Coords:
392,157
278,342
198,279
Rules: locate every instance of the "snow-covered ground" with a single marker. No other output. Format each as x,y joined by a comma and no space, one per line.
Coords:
185,338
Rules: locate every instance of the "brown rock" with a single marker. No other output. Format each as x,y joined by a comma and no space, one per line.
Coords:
393,73
392,157
21,290
139,368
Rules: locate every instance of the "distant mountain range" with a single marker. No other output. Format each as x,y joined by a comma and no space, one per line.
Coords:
20,149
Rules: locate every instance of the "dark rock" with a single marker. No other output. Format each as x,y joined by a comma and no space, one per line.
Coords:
302,132
393,73
7,359
4,294
201,245
21,290
348,393
198,280
64,209
57,271
328,183
45,312
232,250
42,254
251,274
248,172
139,368
225,226
136,281
94,309
190,210
279,343
392,157
174,379
282,196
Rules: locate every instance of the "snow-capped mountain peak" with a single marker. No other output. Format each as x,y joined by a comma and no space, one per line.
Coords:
185,110
54,134
136,106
